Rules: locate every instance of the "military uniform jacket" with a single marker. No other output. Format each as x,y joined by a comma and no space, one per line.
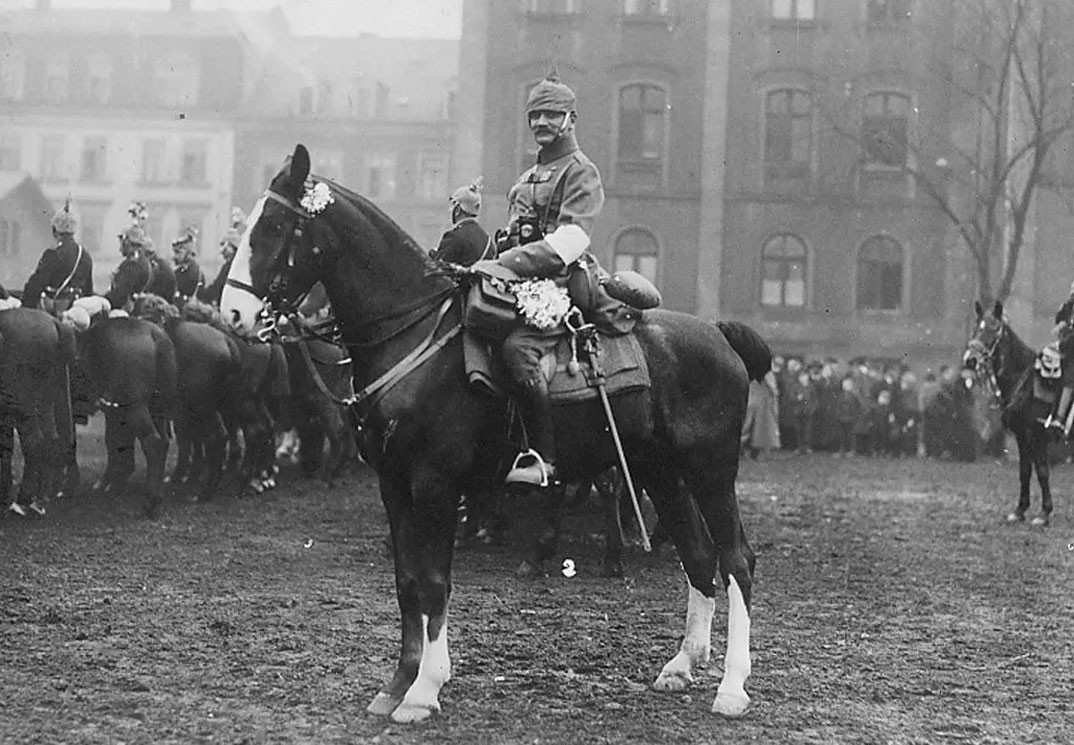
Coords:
162,277
189,281
212,292
55,267
562,188
1065,314
129,278
464,244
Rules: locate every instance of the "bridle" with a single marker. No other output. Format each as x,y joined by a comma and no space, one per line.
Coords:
985,357
277,305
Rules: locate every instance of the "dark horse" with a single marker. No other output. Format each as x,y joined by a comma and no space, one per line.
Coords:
1005,363
430,436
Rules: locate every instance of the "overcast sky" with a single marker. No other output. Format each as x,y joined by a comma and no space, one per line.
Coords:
424,18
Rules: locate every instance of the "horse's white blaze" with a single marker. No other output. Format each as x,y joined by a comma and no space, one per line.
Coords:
696,644
240,307
731,697
434,671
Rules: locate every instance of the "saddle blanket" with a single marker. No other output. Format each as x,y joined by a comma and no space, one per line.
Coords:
621,359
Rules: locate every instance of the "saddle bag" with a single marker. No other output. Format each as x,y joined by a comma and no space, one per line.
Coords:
491,311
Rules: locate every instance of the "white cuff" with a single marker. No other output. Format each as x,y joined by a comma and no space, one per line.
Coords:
569,242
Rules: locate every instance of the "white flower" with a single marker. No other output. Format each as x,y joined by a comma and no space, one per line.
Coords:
317,197
542,303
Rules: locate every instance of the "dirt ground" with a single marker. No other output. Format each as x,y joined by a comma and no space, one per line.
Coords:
891,605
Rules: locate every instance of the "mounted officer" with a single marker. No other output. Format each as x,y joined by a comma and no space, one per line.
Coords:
189,279
229,244
1058,420
65,272
467,241
551,210
134,273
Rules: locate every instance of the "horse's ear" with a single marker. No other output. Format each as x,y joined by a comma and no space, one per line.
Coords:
299,168
997,311
978,309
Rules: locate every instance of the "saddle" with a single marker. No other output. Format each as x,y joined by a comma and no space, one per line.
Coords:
621,361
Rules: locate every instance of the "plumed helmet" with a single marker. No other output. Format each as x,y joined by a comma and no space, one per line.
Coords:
468,198
232,238
139,213
136,236
188,237
551,95
238,219
64,221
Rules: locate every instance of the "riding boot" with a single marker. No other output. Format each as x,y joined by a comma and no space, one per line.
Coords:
536,466
1058,420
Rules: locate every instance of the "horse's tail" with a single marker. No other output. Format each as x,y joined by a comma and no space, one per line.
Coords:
68,345
749,345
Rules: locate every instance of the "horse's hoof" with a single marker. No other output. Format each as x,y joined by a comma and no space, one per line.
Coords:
527,570
406,713
1041,521
16,509
673,680
731,705
382,704
1016,517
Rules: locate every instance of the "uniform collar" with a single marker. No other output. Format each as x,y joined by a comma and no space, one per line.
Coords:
466,218
563,146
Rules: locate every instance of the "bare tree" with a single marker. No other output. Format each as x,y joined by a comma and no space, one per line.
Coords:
1008,76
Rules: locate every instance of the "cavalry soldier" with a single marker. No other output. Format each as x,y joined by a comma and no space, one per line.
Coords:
228,246
1064,333
467,241
189,279
133,275
65,271
551,210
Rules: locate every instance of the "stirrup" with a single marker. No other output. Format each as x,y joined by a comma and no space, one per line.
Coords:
530,468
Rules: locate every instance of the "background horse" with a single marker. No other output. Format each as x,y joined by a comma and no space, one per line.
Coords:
35,349
131,369
1001,360
431,436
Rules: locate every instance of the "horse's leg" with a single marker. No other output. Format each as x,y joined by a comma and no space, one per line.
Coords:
714,490
215,439
7,456
697,553
183,437
68,434
31,441
422,516
155,449
1025,472
1044,471
613,526
549,502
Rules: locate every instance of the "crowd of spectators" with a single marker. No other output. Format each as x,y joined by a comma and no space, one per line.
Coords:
862,407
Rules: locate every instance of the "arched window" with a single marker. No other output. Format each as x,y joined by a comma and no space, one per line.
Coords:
886,129
636,249
783,272
788,137
642,119
880,274
12,75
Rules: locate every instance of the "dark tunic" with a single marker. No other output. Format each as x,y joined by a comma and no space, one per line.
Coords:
53,269
212,292
129,278
189,281
162,281
464,244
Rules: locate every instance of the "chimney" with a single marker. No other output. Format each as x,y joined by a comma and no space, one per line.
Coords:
178,6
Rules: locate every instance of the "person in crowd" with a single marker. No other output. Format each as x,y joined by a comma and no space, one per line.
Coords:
760,430
189,279
466,242
804,404
882,424
133,273
909,416
848,415
1060,420
788,380
229,244
64,272
551,209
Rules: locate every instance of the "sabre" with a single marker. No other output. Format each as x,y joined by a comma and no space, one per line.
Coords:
598,374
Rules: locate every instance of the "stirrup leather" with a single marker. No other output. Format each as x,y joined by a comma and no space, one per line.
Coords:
530,468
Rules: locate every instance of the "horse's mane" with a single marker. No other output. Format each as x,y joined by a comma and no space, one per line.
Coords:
197,311
378,218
